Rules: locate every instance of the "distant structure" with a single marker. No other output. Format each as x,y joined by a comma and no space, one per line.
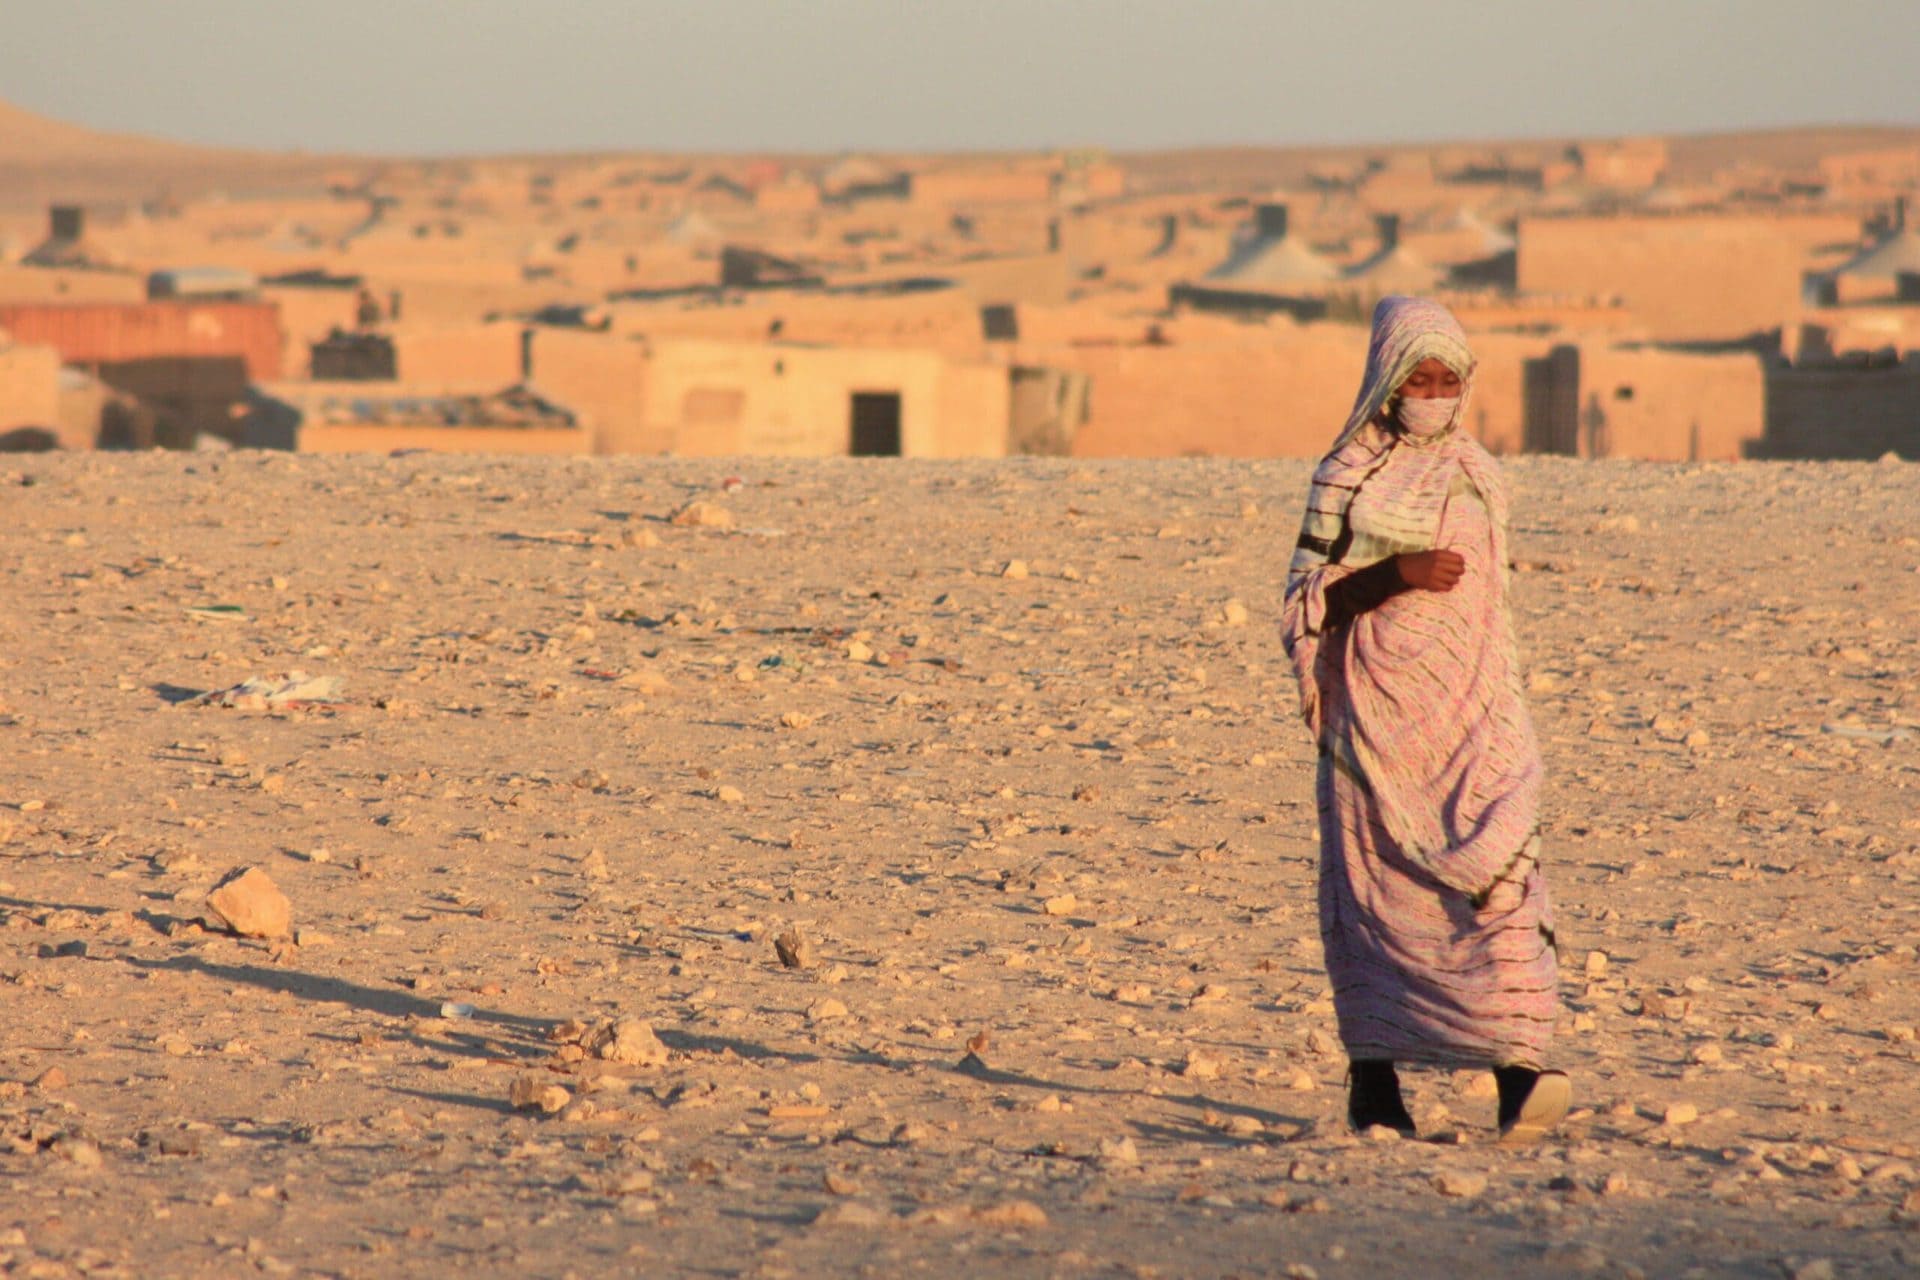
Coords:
1270,271
1875,271
67,244
1717,297
322,417
1393,268
204,284
190,362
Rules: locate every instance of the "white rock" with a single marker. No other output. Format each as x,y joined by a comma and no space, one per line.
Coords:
630,1041
251,905
1459,1185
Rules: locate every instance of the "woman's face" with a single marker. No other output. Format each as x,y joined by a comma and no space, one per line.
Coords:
1430,380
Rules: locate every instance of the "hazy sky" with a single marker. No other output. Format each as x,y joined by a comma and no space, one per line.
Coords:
415,76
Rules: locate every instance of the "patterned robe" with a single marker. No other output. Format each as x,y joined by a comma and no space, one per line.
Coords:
1433,912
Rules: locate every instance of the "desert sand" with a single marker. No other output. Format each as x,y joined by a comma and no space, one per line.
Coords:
1008,753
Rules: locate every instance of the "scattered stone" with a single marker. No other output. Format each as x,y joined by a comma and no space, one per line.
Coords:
1132,993
1061,905
1680,1113
251,905
1233,613
796,719
1458,1185
728,795
1573,1257
851,1214
77,1150
1119,1153
702,515
826,1010
1015,569
51,1079
1011,1214
1596,965
794,950
629,1041
533,1093
1201,1065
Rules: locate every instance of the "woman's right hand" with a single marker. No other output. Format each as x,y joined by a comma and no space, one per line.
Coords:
1431,570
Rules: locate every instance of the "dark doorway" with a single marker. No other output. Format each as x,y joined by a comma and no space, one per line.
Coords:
1550,409
875,424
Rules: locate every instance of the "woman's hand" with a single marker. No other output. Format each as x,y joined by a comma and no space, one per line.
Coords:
1431,570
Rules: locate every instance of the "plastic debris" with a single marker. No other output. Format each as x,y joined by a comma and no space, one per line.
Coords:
294,692
217,613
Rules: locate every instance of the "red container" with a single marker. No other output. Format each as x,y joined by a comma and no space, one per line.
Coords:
97,333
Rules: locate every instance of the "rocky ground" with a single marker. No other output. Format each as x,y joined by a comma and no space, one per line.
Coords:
1004,757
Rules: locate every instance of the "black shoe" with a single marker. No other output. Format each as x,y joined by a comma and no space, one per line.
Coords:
1531,1102
1373,1098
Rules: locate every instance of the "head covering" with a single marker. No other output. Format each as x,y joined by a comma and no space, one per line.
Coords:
1380,491
1405,332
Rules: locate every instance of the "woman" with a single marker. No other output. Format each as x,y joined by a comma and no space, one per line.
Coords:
1433,912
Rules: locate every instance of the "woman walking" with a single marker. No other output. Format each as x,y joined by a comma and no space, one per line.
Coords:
1433,912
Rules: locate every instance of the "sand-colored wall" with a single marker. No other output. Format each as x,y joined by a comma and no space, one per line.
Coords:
787,197
384,438
1684,276
1280,390
1669,407
306,317
777,399
601,377
52,284
974,410
946,320
980,186
30,396
481,356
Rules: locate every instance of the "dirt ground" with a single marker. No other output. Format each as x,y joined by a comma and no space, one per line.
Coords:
1046,834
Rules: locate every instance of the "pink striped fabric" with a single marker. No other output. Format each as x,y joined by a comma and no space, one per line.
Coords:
1433,913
